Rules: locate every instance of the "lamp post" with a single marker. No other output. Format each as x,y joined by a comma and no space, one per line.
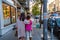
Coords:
45,20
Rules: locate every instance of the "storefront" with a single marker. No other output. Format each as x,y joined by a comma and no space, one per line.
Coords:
18,13
7,16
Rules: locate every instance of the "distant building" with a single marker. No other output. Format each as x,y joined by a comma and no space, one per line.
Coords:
54,6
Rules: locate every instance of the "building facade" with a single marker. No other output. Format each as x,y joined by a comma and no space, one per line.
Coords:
8,15
54,6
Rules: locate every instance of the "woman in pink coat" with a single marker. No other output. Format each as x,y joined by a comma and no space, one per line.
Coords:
28,28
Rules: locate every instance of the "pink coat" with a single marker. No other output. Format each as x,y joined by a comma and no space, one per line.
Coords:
28,27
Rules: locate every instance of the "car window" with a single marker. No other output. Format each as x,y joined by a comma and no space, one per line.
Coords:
54,14
58,22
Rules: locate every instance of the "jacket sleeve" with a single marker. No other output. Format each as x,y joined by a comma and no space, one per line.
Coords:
26,22
30,22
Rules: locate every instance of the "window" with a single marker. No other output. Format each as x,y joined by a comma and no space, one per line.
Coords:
6,14
18,12
9,14
13,14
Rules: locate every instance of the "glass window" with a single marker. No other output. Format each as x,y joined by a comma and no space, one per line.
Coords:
13,14
6,14
18,13
9,14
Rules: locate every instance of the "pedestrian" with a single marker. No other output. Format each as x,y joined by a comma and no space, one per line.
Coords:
28,28
20,28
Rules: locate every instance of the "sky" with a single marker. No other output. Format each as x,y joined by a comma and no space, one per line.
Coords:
49,1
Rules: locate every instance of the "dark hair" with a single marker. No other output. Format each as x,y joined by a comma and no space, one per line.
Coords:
28,13
22,17
28,17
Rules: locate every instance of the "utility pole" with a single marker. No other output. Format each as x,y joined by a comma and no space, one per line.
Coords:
45,32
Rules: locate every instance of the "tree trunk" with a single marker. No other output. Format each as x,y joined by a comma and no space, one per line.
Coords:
41,14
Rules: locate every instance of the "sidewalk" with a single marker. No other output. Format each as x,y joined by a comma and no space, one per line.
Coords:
37,34
10,35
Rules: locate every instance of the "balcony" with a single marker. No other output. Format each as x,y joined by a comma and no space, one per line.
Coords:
22,2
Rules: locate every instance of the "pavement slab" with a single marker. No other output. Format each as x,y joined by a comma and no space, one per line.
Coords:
36,33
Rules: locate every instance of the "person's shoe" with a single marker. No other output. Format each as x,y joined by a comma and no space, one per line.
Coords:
30,38
16,34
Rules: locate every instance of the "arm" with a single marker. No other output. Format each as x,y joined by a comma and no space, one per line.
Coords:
26,22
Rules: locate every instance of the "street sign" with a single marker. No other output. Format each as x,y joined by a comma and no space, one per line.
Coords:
45,15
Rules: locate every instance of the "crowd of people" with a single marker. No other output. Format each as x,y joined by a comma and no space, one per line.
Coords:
24,27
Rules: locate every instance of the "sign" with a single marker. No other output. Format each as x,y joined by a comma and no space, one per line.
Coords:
45,15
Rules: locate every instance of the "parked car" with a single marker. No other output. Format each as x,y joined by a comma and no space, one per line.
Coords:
57,27
51,23
37,17
54,19
51,20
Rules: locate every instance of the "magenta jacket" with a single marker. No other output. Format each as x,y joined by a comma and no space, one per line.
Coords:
28,27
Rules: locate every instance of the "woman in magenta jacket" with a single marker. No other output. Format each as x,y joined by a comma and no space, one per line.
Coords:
28,28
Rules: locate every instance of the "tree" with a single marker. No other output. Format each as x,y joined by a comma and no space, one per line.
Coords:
35,9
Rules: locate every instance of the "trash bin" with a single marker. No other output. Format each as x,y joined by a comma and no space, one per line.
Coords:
37,25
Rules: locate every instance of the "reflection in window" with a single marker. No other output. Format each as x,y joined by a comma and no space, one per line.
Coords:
13,11
9,14
18,13
6,14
